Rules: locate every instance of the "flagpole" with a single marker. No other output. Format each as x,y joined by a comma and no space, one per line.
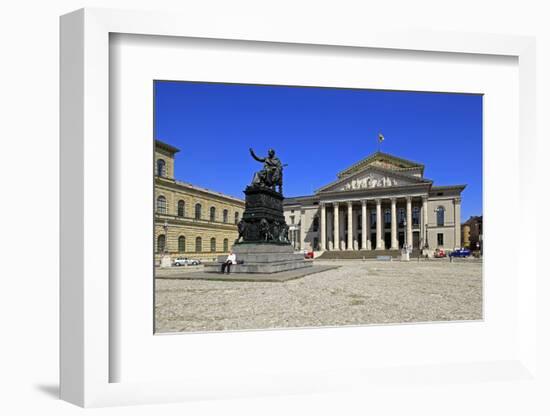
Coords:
380,140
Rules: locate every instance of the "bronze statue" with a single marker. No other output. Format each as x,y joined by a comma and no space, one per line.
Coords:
241,227
271,175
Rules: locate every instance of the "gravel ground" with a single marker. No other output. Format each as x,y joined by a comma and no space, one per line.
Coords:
357,293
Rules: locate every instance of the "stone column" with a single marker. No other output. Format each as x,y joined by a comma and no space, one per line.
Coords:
350,226
322,224
302,230
457,222
409,222
364,225
394,241
425,220
379,239
370,244
336,233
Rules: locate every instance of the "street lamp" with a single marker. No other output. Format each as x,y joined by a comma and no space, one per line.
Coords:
165,227
426,245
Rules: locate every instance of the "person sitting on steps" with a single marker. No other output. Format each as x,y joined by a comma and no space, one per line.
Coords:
231,259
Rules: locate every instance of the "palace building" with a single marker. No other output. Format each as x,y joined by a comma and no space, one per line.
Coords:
382,202
190,221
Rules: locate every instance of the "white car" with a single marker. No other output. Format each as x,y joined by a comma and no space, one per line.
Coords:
184,261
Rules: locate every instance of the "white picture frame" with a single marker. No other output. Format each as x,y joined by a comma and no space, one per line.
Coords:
87,356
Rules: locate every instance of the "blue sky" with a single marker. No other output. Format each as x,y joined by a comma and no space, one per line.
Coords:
317,132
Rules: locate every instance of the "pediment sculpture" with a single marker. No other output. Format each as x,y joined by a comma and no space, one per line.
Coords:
370,182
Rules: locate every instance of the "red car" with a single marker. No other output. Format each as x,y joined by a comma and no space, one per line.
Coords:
439,253
308,254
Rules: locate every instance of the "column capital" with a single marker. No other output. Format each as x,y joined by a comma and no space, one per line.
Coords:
393,199
349,203
322,204
424,198
457,200
378,201
335,204
408,198
364,202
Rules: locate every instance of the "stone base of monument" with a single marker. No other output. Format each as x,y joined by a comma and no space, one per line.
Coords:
262,258
165,261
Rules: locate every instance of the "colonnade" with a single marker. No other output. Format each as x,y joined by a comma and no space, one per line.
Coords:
365,226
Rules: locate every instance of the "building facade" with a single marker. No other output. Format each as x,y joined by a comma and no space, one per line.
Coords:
472,233
190,221
382,202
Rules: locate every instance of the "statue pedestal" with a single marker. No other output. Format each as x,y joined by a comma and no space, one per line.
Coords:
263,245
405,255
262,258
165,261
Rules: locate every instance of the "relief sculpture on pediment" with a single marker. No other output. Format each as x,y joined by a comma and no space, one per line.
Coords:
369,182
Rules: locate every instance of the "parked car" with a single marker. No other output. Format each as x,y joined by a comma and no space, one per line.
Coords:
439,253
460,252
308,254
184,261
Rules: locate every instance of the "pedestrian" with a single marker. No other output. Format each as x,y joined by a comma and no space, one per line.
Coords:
231,259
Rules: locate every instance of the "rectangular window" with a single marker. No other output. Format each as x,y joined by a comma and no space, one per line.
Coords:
439,239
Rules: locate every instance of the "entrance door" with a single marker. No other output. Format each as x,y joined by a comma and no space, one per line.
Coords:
416,239
401,238
387,240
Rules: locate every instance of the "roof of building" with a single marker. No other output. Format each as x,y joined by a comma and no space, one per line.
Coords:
460,187
209,191
166,146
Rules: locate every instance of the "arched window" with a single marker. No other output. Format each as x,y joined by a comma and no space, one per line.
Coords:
198,209
161,243
181,244
387,216
198,244
212,213
315,224
181,208
225,215
212,244
161,205
416,216
236,217
440,216
225,245
161,167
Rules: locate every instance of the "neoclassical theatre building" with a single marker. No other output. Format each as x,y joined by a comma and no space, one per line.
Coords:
382,202
190,221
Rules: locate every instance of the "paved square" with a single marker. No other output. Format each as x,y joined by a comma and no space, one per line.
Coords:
357,293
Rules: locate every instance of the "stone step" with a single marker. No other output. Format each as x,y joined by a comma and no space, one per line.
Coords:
272,267
360,254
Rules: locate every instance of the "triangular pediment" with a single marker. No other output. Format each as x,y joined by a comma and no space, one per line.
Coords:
372,177
384,161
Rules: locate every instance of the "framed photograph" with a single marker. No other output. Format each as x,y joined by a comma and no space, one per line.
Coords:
291,211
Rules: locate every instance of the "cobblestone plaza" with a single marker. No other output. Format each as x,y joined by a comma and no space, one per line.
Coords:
357,293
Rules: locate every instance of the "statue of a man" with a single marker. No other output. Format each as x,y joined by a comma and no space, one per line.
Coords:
271,175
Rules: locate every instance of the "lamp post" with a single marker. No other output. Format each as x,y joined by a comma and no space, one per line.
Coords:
405,250
165,260
165,227
426,245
